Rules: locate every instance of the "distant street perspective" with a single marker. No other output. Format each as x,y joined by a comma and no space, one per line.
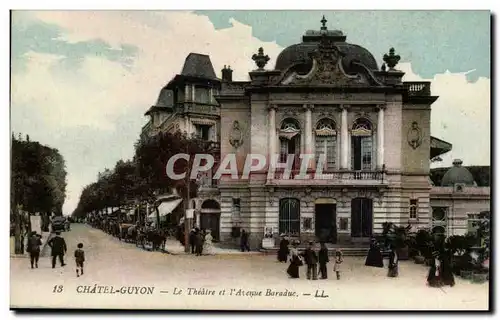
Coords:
110,262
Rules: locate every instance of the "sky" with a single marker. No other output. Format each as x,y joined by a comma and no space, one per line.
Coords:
82,80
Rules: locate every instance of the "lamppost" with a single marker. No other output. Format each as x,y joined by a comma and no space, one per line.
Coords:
187,204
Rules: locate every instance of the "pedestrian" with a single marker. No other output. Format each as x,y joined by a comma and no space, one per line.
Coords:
208,246
283,251
33,247
199,242
295,261
434,277
58,248
446,270
192,240
323,260
244,241
374,257
311,260
393,263
79,259
339,258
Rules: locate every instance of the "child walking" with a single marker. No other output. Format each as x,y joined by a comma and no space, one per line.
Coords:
339,258
79,259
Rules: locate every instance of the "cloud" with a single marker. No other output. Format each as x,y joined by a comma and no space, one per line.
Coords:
93,112
460,116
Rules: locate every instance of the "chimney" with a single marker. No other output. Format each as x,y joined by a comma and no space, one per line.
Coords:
227,74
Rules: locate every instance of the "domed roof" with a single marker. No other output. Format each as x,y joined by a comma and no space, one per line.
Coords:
457,174
300,52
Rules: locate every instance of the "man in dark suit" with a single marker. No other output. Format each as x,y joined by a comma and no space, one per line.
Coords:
311,259
58,248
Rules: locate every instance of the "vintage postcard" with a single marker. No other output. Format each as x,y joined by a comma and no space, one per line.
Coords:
250,160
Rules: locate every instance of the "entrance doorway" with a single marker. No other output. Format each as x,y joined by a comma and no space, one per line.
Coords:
361,218
210,217
326,221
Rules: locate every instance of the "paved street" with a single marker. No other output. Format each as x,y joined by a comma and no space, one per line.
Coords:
128,270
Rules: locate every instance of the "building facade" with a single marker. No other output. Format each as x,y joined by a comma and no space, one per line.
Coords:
324,97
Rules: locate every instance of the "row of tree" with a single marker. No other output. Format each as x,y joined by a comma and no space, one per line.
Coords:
144,177
38,183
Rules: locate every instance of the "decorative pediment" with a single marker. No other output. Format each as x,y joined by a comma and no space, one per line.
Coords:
288,132
361,132
326,70
326,132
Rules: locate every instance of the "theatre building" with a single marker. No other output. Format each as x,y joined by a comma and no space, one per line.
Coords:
324,96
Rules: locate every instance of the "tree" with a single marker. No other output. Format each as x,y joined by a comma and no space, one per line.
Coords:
152,155
38,182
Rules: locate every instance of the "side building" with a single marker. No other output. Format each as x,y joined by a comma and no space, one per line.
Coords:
187,103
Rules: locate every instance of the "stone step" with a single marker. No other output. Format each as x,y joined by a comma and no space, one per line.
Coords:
348,252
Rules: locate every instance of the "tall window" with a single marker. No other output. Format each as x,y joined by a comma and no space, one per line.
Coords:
202,95
203,132
289,139
362,145
289,216
326,142
439,215
236,208
413,209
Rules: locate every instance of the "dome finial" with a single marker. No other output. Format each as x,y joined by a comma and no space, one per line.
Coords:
323,22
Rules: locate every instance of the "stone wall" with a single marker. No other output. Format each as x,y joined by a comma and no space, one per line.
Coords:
471,200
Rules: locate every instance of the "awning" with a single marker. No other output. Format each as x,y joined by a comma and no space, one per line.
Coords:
166,208
203,122
439,147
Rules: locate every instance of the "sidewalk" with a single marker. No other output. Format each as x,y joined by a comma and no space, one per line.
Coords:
174,247
45,238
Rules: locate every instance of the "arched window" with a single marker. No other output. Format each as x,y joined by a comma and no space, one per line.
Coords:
289,139
326,142
438,223
289,216
362,145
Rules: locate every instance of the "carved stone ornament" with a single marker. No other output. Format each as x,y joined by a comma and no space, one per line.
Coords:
414,135
327,68
236,135
260,59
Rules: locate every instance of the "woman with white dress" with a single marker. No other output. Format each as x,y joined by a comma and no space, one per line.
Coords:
208,247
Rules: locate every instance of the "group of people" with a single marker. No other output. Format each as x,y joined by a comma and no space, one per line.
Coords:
201,242
311,258
440,272
58,248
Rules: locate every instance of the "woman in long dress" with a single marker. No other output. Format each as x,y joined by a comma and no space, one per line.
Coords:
434,278
295,262
208,247
374,257
393,263
446,270
283,250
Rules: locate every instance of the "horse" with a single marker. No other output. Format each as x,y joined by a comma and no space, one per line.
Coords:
124,232
157,239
